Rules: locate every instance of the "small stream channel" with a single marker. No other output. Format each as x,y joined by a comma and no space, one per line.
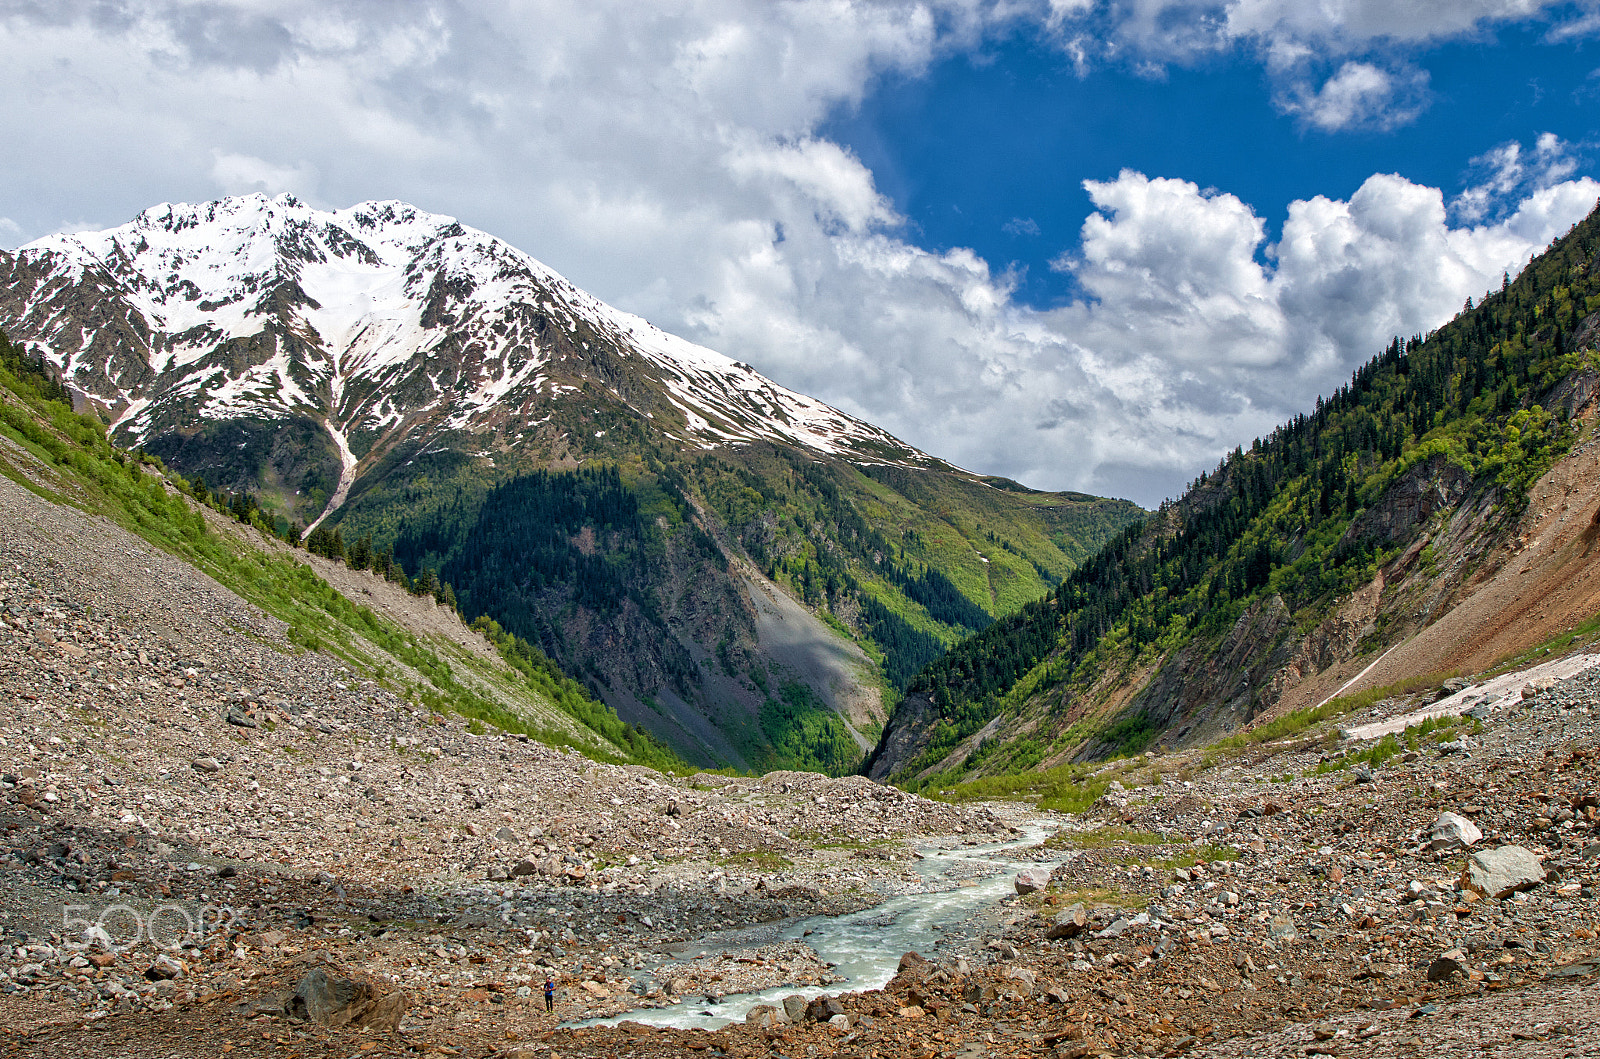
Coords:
864,946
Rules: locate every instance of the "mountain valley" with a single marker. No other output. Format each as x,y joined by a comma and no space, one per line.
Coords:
1303,763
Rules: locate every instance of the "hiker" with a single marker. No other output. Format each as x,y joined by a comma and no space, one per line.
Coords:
549,992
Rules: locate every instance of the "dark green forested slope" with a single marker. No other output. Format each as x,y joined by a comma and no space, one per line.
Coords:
1277,517
621,570
913,560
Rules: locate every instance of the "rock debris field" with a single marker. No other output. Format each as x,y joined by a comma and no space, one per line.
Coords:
215,843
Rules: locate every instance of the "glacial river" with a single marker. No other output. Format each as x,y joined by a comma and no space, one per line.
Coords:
866,946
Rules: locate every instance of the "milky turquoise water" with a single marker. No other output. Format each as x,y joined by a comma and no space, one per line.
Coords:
866,946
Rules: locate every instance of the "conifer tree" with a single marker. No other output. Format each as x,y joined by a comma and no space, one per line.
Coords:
361,553
320,542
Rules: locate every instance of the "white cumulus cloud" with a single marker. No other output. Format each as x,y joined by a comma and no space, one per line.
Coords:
1360,95
1508,170
1289,32
1204,318
824,175
667,156
1194,334
1333,63
1354,23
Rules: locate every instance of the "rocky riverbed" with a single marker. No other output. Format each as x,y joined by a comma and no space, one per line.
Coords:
1442,902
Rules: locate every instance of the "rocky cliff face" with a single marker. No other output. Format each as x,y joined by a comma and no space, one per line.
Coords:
1436,484
903,740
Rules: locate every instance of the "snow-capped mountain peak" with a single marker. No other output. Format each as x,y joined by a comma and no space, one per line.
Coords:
382,323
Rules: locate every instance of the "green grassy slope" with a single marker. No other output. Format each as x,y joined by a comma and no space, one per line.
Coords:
77,465
937,554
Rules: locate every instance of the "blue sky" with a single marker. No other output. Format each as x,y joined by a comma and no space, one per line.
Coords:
1089,244
989,149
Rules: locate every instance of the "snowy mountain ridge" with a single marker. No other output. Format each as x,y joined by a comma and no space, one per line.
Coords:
377,321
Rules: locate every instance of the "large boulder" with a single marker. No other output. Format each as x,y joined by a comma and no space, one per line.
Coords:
1022,979
333,1000
1451,831
766,1017
1452,964
165,968
1068,923
823,1008
1502,872
913,963
1032,880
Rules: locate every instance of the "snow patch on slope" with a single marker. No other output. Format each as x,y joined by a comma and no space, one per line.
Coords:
347,475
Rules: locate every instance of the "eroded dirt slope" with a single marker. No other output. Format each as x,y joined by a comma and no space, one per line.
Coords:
1543,581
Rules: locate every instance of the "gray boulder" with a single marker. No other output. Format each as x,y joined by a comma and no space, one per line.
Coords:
1502,872
1022,979
1068,923
163,969
1451,831
765,1016
332,1000
1118,927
